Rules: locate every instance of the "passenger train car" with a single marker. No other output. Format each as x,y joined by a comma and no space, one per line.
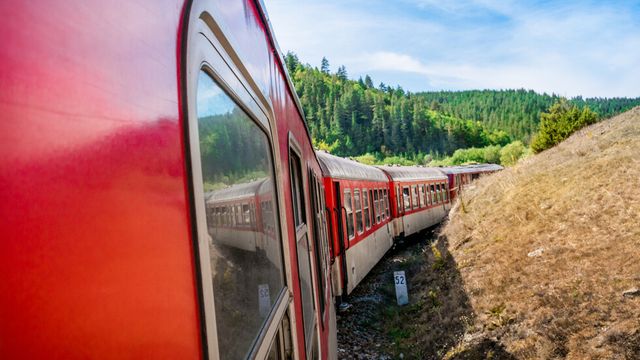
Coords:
161,197
420,196
358,202
459,176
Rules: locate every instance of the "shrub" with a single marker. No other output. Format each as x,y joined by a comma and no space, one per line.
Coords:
561,120
510,154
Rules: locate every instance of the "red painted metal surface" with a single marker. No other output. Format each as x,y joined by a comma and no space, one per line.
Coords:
95,248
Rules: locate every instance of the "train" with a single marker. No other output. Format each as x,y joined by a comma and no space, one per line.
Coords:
161,194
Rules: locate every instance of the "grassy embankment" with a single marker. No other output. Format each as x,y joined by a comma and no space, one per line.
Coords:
538,260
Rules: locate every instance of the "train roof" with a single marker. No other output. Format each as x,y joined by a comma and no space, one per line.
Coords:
413,173
234,192
468,169
341,168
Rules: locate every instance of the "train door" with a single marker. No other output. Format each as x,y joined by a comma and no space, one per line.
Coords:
244,291
342,239
303,252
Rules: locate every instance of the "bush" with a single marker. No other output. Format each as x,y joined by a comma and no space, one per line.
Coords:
561,120
367,159
510,154
488,154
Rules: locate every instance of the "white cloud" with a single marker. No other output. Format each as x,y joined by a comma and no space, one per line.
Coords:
565,47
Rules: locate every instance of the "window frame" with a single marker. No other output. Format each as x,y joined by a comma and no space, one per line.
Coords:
208,49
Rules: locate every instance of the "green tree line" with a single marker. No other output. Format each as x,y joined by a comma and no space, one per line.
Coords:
387,124
351,117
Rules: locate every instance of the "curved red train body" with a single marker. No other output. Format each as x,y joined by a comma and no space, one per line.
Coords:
161,197
106,251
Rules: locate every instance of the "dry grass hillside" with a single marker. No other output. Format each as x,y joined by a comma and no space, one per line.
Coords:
549,251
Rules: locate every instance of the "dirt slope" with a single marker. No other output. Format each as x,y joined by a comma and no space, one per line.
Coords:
547,248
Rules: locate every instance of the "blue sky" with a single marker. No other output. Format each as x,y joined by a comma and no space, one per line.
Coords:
589,48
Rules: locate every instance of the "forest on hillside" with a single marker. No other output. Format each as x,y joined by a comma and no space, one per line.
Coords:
516,111
355,117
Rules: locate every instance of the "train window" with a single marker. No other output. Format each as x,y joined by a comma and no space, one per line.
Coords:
423,199
247,214
439,193
320,235
367,215
358,205
406,197
444,191
398,204
434,200
236,164
380,206
296,190
386,203
349,209
414,197
303,247
376,202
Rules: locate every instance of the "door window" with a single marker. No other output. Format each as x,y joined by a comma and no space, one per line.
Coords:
246,261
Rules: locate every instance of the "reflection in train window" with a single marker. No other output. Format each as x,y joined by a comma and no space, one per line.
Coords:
244,249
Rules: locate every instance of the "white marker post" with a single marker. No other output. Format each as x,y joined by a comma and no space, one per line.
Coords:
399,279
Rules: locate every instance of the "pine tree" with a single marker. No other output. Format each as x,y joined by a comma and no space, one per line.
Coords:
324,65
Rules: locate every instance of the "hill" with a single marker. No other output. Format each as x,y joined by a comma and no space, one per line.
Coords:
548,251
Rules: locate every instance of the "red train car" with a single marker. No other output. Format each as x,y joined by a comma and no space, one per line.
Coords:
459,176
420,198
122,126
358,201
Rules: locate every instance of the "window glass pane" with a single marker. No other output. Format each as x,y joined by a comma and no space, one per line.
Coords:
319,243
376,203
405,196
372,203
433,194
358,204
365,201
414,196
445,192
304,272
296,190
348,207
245,255
386,202
423,202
